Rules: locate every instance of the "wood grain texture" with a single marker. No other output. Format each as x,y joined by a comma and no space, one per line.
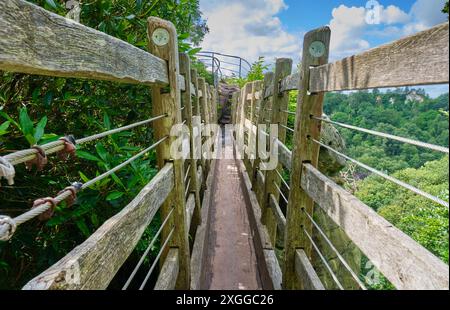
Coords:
269,267
288,83
169,272
199,250
279,216
416,60
405,263
280,102
285,156
303,151
35,41
93,264
187,100
306,274
190,207
170,103
273,268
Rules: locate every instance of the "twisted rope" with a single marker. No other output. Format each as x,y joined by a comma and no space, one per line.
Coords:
57,146
8,225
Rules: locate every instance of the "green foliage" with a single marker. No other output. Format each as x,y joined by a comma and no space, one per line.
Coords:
256,73
37,109
33,134
424,221
391,113
445,9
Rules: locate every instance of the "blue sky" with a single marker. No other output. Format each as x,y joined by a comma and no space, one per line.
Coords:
275,28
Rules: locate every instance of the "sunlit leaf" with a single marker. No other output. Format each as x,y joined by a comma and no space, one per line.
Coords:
87,156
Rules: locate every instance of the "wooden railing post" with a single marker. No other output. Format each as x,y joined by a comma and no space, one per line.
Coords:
196,101
280,102
234,107
162,37
258,119
247,110
186,97
315,53
256,110
204,116
264,107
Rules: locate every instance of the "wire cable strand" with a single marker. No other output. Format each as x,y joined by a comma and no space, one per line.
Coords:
339,256
282,179
188,185
287,128
387,177
56,146
29,215
288,112
150,246
387,136
169,237
125,163
281,193
324,261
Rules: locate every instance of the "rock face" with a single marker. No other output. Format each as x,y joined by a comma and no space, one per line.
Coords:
329,163
225,93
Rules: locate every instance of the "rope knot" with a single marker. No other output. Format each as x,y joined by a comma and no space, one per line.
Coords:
39,161
7,171
69,148
7,228
45,216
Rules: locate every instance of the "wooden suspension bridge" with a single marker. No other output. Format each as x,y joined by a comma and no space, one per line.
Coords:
227,223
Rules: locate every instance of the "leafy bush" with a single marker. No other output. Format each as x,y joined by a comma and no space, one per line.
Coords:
37,109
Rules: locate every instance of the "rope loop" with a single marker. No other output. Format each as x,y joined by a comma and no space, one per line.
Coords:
7,228
69,148
49,213
39,161
7,171
70,201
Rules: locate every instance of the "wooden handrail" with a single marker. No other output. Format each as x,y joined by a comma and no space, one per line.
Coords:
420,59
93,264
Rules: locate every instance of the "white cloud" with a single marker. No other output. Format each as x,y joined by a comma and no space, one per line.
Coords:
249,29
394,15
350,31
347,30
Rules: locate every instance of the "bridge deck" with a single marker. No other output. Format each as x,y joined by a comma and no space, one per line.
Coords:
231,262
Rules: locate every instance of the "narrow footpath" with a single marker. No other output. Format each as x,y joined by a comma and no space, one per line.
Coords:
231,261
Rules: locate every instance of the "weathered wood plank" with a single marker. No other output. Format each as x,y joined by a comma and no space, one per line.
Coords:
186,99
201,238
35,41
190,207
279,216
402,260
304,151
283,68
305,272
169,272
284,156
269,267
420,59
170,103
288,83
93,264
274,269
